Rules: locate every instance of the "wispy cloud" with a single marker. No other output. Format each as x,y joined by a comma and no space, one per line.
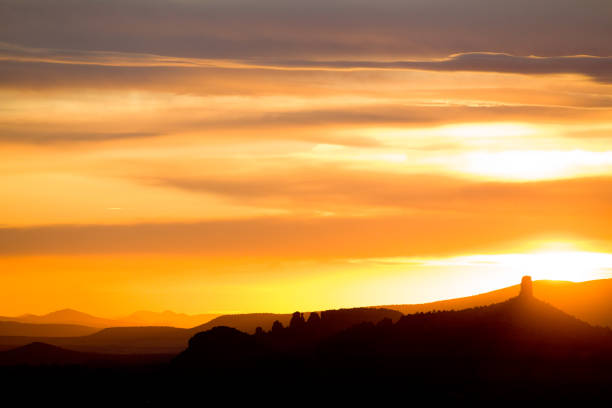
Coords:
317,28
596,67
453,218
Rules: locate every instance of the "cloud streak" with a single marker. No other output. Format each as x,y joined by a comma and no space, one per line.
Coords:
326,187
42,137
317,28
595,67
315,125
454,217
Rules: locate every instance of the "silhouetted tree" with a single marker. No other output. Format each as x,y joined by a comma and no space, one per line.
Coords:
385,323
297,321
277,327
314,319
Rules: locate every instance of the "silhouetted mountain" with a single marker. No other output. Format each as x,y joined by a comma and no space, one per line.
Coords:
228,346
36,354
141,318
520,344
521,350
590,301
246,322
222,347
517,328
155,339
136,340
44,330
116,340
65,316
41,353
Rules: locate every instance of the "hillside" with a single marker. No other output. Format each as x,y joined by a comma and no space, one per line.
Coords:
512,350
590,301
520,348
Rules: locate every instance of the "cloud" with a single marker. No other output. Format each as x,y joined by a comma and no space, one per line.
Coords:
331,187
456,217
317,28
595,67
598,68
307,123
42,136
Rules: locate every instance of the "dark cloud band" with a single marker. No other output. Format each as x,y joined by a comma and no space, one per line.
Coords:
314,28
598,68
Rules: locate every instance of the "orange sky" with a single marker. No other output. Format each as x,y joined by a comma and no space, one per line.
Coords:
236,156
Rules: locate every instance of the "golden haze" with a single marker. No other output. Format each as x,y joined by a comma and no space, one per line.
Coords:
146,174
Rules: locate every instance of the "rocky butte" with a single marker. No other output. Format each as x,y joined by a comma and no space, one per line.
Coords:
526,287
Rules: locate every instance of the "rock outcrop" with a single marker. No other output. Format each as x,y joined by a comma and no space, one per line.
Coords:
526,287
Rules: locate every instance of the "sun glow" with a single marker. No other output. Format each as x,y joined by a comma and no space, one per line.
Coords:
487,130
537,164
568,265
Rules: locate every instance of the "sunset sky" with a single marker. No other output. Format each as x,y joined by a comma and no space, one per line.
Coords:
223,156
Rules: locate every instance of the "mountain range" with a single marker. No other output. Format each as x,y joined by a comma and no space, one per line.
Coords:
148,332
140,318
162,339
519,350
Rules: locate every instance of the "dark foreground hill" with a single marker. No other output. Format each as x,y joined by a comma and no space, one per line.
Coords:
338,318
520,328
41,354
521,349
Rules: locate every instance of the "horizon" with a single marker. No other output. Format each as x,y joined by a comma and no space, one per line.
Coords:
240,156
289,312
510,268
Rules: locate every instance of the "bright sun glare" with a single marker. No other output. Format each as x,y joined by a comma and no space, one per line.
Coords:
568,265
535,164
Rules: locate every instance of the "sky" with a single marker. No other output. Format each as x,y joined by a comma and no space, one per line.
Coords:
226,156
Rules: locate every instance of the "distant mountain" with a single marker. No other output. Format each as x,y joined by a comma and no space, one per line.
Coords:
167,318
141,318
44,330
154,339
590,301
65,316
